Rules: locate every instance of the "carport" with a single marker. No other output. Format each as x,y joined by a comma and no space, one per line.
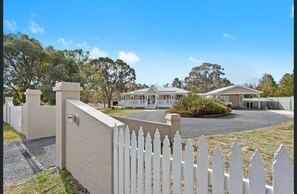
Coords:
234,94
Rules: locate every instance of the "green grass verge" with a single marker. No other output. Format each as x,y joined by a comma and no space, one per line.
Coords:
266,140
10,134
120,112
51,181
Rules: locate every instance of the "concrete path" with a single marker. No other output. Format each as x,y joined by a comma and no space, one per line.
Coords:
283,112
238,120
24,159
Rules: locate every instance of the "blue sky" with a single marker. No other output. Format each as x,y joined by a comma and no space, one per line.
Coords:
162,40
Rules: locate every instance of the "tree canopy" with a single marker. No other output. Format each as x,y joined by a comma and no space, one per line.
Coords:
205,78
116,75
177,83
267,85
286,85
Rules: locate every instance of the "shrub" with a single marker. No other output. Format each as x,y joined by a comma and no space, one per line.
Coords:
196,106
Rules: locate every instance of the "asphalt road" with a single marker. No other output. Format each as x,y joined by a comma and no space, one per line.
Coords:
23,159
238,120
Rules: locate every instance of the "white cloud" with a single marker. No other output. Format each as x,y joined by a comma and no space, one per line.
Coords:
129,57
11,25
64,42
97,52
195,60
292,11
35,28
228,36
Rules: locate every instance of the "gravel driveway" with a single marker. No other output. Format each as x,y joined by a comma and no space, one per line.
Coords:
23,159
238,120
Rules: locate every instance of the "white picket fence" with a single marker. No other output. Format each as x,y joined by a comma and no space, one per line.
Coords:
139,170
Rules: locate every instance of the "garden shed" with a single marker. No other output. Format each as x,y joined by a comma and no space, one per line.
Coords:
235,95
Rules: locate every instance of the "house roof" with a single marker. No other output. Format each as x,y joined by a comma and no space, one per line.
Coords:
159,90
234,89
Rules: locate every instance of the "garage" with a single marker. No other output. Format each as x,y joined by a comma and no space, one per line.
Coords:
233,96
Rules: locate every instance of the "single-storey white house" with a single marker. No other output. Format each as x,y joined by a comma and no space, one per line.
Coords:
152,97
233,94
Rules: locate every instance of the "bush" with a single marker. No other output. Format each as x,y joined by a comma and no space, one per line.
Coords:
196,106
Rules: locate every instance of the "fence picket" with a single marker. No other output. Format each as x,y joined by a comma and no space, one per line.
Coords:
282,172
235,169
121,162
176,163
189,168
202,167
133,163
148,164
156,162
127,181
256,174
218,171
127,160
140,161
115,160
166,166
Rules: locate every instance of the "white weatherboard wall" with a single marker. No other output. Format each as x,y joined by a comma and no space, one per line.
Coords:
89,145
137,152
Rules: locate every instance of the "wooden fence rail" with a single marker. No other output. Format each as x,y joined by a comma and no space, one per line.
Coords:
140,168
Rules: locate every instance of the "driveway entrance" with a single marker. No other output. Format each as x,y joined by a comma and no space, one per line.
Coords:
238,120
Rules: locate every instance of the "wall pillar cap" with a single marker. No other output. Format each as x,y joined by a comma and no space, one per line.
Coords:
67,86
33,92
8,99
173,116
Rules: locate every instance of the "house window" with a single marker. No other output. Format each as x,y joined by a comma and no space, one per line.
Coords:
178,96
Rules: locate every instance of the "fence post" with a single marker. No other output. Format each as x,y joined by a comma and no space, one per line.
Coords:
29,113
174,121
64,90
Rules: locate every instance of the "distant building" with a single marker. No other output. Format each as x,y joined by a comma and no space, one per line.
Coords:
152,97
233,95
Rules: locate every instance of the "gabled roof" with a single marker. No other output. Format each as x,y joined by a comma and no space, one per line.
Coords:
158,90
234,89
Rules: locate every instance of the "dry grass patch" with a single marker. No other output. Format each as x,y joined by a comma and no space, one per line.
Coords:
51,181
266,140
10,134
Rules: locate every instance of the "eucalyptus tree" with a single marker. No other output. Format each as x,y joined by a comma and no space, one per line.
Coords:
116,75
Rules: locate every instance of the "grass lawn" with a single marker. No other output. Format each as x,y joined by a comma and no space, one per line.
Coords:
10,134
120,112
266,140
52,181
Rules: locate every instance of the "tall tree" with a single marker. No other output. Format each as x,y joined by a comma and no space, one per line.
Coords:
116,75
286,85
177,83
64,65
135,86
205,78
267,85
25,63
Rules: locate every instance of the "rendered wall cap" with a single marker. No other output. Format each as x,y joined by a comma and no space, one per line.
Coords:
173,116
67,86
9,99
33,92
104,118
